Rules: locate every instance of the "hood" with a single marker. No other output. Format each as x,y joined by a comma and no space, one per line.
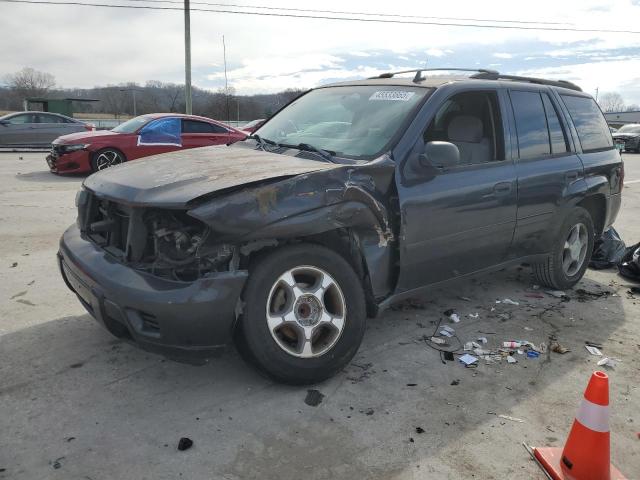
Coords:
83,136
171,180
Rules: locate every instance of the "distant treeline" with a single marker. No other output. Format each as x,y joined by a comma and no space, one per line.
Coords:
157,96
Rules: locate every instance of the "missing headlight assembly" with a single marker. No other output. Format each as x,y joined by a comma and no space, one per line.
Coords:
165,243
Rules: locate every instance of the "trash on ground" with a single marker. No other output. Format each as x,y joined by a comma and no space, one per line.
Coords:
510,359
556,293
313,398
474,315
511,344
419,430
438,340
608,362
630,263
455,382
508,301
481,351
185,444
558,347
466,299
593,350
471,345
528,329
14,265
608,250
482,339
532,354
445,333
520,351
510,418
454,318
468,359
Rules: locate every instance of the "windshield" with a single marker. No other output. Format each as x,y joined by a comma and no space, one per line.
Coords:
131,126
354,121
629,129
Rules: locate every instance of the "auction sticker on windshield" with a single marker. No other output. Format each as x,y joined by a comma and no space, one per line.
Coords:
393,95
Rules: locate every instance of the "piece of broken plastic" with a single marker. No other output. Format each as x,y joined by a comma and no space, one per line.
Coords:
474,315
508,301
608,362
593,350
438,341
454,317
468,359
510,359
445,333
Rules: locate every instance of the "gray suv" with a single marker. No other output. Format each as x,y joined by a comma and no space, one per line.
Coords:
354,196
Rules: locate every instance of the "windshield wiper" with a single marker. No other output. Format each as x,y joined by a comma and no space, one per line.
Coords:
261,141
326,154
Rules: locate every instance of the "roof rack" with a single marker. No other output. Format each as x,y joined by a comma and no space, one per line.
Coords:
483,74
418,77
517,78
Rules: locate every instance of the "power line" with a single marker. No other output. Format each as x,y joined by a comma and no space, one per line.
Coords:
326,17
366,14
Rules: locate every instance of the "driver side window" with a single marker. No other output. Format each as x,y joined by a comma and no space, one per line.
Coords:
472,122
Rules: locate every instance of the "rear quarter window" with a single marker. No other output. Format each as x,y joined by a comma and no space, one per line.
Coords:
590,124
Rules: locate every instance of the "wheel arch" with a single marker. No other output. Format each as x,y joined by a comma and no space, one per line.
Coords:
596,205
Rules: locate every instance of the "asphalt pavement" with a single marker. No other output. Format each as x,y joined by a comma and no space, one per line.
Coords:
76,403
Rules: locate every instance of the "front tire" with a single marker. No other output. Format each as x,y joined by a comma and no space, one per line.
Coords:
571,253
304,315
105,158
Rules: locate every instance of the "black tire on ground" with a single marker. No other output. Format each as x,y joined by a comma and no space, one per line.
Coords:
254,339
106,151
550,272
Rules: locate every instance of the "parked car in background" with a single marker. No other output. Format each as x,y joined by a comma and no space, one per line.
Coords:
628,137
37,129
253,125
287,241
136,138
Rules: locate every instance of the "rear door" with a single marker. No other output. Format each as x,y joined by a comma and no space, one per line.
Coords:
547,166
196,133
48,127
19,130
461,219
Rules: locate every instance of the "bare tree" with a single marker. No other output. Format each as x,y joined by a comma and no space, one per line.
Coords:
611,102
634,107
29,82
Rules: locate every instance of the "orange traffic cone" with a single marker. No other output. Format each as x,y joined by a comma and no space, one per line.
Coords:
586,453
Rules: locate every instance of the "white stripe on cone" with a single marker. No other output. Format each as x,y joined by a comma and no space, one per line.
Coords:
593,416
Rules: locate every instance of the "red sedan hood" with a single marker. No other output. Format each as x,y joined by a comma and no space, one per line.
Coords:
83,136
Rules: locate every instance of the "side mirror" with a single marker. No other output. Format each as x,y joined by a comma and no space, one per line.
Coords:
440,155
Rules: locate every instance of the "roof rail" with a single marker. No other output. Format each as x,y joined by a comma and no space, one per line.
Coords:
515,78
418,77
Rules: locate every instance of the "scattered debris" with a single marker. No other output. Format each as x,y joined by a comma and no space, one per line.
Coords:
313,398
510,359
57,463
608,362
593,350
438,340
448,356
528,329
411,439
558,347
419,430
466,299
512,419
556,293
14,265
532,354
608,250
454,318
368,411
468,359
456,382
411,384
508,301
512,344
482,339
474,315
185,444
629,266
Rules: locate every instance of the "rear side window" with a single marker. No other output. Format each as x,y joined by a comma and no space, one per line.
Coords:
195,126
531,124
592,128
556,133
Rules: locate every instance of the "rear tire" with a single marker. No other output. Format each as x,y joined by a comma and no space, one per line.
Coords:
569,259
304,314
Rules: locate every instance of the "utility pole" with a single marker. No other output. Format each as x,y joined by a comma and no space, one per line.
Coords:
226,83
597,89
187,58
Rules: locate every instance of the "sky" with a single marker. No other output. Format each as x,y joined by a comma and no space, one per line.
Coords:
88,46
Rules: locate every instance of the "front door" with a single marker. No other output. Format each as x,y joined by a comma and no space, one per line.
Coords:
460,218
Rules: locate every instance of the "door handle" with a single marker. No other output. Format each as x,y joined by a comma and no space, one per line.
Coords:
502,188
571,176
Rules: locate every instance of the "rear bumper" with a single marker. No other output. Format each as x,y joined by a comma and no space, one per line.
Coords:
74,162
177,319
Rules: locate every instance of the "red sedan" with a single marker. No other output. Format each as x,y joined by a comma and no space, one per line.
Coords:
139,137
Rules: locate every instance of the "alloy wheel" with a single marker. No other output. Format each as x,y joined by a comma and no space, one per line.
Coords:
107,159
575,250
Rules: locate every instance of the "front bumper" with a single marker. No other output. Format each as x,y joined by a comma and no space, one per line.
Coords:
177,319
73,162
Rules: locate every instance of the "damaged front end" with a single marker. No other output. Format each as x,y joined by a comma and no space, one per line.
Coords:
165,243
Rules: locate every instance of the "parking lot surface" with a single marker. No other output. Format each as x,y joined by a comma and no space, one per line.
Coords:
76,403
